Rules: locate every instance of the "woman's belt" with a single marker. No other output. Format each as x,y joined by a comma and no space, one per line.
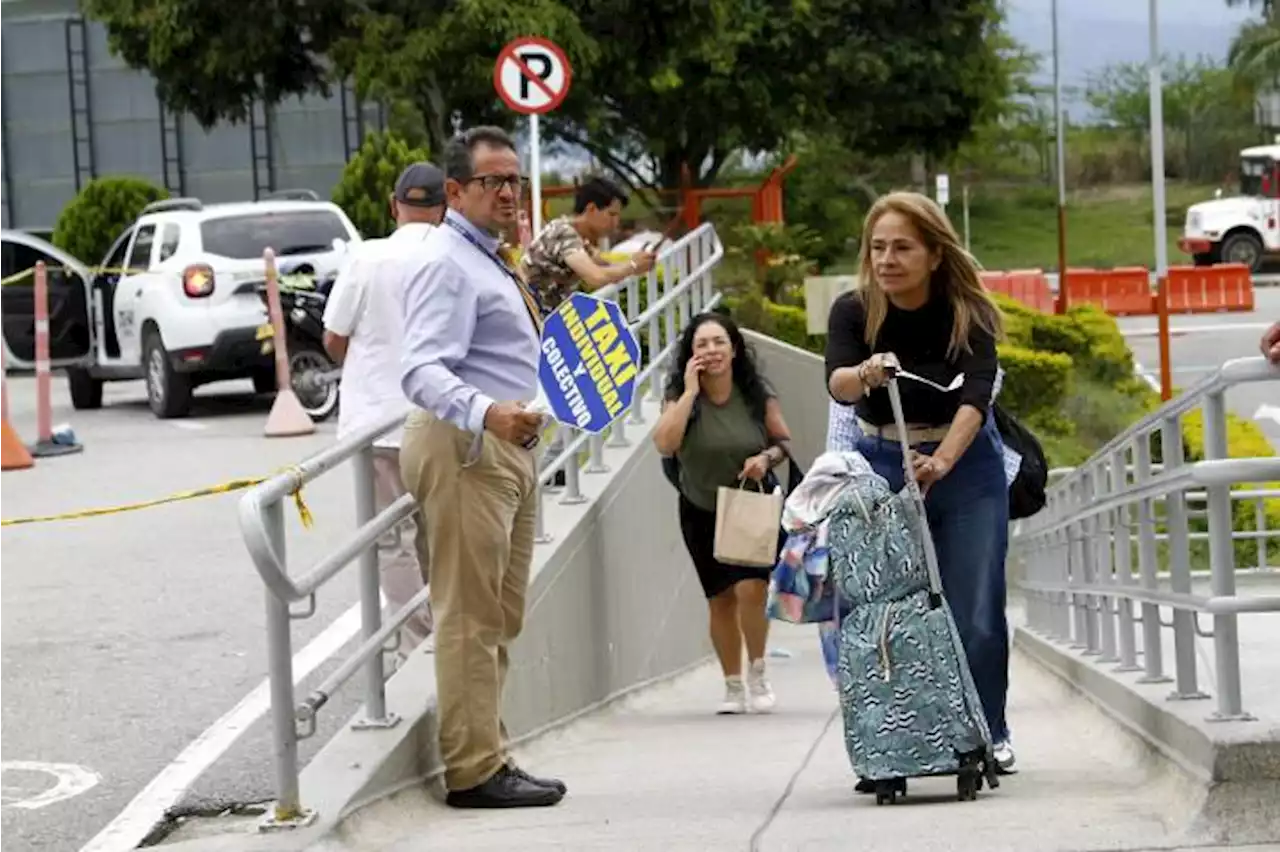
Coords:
915,434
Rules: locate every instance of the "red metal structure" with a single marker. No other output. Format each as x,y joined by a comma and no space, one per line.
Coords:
766,199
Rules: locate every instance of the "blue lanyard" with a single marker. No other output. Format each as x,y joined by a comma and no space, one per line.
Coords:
506,270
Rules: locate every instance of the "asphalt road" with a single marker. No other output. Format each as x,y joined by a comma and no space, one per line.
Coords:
1199,343
125,636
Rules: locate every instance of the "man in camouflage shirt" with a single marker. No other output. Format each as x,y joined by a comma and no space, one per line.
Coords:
563,257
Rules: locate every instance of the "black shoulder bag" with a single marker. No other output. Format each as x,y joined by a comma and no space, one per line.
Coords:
1026,492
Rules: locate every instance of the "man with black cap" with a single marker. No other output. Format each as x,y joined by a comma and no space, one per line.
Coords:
363,323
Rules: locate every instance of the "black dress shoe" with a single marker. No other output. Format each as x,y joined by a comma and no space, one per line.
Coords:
553,783
505,789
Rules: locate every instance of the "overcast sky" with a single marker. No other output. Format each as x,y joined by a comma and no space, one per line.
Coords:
1095,33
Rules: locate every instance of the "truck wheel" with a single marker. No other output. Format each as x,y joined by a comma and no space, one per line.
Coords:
168,391
1243,247
86,391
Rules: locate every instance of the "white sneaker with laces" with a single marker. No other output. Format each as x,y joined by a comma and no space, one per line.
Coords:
735,697
759,689
1004,757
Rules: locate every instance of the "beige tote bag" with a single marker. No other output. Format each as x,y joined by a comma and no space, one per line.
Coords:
747,526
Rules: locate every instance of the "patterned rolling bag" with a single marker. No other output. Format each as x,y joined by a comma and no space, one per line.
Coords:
909,703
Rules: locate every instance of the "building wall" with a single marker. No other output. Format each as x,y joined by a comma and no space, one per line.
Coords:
119,126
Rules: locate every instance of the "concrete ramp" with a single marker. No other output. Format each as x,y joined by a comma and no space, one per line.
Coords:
659,771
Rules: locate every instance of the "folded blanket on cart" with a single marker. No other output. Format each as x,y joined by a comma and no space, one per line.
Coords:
798,589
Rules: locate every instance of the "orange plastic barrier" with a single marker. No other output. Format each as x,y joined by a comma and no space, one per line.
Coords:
1210,289
1125,291
1028,286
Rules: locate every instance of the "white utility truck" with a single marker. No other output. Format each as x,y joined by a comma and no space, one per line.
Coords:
1242,228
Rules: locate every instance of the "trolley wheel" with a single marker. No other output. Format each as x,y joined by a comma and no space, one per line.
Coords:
967,785
888,791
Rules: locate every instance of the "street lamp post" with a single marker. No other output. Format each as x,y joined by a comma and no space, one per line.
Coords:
1061,169
1159,225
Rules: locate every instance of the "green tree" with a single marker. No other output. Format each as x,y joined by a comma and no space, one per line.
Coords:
657,84
88,226
1013,136
213,59
693,81
365,187
1206,115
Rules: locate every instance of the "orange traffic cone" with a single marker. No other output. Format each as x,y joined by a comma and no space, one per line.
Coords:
287,417
13,453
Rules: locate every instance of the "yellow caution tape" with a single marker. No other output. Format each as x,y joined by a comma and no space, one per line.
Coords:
304,514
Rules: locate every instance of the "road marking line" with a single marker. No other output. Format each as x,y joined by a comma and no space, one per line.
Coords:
147,809
1152,331
190,425
1268,412
1146,376
72,780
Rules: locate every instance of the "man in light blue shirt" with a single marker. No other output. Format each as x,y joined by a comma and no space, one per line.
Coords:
470,367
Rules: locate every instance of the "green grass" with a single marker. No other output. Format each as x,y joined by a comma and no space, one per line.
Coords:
1106,227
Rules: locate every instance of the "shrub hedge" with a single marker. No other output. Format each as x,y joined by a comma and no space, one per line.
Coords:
100,212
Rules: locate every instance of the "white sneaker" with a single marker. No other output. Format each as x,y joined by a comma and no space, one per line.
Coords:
1004,757
735,696
762,697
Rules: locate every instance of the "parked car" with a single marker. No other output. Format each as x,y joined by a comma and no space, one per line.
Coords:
175,302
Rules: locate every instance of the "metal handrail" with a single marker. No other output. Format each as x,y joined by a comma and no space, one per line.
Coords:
1080,581
679,285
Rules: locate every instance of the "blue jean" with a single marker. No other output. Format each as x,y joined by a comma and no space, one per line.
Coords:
968,511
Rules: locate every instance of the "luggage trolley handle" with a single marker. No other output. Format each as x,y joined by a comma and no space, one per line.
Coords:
913,487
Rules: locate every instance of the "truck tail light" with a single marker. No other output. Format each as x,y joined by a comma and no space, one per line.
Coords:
197,280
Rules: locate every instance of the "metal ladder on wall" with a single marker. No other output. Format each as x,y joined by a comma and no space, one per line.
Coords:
352,120
175,174
260,149
82,162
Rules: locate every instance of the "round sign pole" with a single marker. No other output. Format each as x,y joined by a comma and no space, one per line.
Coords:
535,169
532,77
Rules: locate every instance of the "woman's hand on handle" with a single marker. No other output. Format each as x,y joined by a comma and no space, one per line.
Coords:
755,468
929,469
876,371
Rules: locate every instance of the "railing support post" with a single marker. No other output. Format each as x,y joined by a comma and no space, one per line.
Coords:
1184,625
1148,568
287,812
1123,558
1222,568
375,691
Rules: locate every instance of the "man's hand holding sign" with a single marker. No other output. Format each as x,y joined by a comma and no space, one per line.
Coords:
590,361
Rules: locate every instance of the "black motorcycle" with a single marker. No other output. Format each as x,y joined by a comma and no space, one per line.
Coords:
313,374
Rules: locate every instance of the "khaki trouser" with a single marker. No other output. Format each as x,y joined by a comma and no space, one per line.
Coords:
480,524
403,554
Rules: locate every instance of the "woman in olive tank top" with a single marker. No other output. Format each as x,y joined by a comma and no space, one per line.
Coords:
723,424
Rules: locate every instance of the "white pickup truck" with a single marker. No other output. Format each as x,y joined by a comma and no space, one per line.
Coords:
1243,228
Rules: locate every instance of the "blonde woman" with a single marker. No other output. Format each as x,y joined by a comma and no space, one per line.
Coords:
922,305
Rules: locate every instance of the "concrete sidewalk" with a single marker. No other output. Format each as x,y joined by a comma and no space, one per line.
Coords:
659,771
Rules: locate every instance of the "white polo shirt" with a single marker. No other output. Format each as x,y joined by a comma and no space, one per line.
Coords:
367,305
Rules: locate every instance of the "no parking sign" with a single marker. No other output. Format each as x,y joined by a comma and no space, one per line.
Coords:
590,360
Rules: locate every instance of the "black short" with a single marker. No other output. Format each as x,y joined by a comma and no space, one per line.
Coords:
699,529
